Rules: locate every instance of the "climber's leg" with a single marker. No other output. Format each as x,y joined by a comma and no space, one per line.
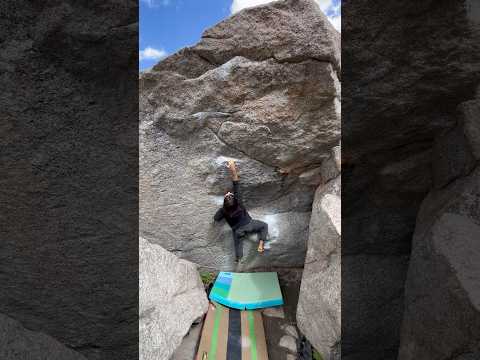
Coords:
261,228
264,231
238,245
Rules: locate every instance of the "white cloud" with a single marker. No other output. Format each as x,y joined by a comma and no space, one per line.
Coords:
336,15
336,22
150,53
324,4
327,6
238,5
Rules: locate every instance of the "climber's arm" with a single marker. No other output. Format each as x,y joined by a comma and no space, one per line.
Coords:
218,215
236,186
236,191
233,170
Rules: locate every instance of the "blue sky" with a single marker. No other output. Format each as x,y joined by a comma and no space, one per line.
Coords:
166,26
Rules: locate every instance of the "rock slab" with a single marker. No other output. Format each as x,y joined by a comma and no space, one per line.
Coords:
172,297
319,304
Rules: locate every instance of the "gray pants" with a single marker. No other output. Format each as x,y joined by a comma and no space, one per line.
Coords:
254,226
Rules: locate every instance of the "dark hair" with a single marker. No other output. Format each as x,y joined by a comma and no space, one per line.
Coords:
230,209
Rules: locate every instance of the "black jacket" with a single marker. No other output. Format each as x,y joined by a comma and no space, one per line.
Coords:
237,215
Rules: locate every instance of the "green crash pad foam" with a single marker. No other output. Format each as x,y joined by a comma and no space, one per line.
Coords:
247,290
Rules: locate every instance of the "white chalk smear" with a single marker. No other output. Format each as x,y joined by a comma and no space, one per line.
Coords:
217,200
222,160
273,230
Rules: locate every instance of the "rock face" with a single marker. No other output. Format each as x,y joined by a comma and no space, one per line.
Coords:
69,155
408,67
319,304
172,297
253,90
18,343
442,298
442,291
287,31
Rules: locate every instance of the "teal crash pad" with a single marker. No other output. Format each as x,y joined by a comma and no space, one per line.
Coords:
247,290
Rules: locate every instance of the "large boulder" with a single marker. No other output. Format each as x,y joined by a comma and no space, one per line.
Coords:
172,297
319,304
287,31
442,295
442,292
19,343
408,65
252,90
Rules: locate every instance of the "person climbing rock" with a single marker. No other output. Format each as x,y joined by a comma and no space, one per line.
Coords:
238,218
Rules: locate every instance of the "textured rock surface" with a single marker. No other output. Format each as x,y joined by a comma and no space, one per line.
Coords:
442,299
254,90
469,114
287,31
442,291
331,167
372,304
18,343
415,86
172,297
288,343
408,67
188,348
68,155
452,157
319,304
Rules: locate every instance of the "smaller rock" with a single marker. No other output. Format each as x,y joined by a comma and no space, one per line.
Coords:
197,321
442,292
276,312
318,309
291,357
290,330
172,297
188,347
288,342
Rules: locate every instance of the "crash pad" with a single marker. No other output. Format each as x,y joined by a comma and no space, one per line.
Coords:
230,334
247,290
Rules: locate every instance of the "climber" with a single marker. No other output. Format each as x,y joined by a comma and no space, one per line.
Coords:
238,218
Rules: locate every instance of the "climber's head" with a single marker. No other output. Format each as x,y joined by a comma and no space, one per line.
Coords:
229,199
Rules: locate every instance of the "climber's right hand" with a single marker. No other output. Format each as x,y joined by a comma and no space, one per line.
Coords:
231,165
